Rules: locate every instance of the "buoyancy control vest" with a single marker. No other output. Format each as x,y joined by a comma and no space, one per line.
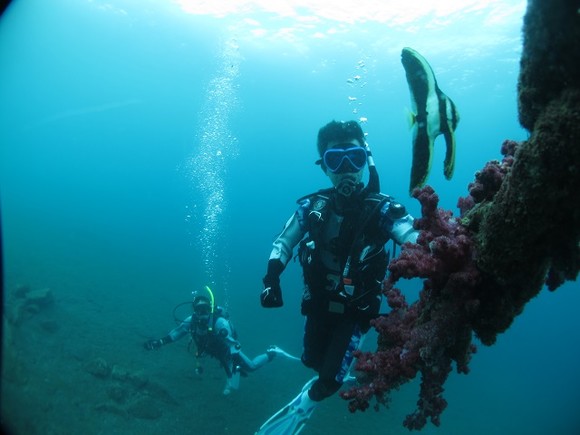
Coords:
208,340
343,255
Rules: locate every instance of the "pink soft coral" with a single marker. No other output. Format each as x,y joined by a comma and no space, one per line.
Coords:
428,335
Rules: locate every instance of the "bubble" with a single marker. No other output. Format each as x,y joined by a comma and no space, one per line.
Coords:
214,147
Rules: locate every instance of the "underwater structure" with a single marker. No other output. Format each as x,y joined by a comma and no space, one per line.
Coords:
519,230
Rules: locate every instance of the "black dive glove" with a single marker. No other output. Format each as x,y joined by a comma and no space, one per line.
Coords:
271,296
156,343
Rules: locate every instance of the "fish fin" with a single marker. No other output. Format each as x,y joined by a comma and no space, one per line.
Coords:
422,157
411,118
449,163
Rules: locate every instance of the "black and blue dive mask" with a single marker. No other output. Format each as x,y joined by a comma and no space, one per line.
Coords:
202,319
343,160
202,310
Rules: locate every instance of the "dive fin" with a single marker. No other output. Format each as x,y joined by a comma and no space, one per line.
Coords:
233,382
275,350
235,379
291,419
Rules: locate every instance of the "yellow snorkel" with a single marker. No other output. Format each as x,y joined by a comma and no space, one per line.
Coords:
212,306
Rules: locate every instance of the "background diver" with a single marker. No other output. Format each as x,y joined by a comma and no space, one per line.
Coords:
341,232
213,334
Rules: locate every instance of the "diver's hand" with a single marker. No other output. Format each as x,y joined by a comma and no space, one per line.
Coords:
153,344
271,296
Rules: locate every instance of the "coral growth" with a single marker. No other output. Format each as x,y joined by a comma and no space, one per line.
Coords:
427,336
489,180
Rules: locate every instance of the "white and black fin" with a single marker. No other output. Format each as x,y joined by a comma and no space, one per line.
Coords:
291,419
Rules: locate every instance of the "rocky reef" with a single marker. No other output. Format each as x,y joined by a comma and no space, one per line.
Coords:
530,231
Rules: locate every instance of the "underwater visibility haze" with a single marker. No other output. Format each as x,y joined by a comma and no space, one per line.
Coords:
149,148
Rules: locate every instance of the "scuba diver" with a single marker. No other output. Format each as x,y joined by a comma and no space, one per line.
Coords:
213,334
341,232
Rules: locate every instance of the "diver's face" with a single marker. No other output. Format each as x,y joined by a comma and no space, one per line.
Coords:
347,172
202,313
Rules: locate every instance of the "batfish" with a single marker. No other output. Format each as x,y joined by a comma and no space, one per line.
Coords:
434,113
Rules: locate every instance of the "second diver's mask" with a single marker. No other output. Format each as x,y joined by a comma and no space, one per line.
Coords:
344,165
202,310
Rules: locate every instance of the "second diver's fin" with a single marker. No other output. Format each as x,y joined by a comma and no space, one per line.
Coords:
233,382
275,350
291,419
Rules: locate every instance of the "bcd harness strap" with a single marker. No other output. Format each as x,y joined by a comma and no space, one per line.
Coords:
346,287
347,283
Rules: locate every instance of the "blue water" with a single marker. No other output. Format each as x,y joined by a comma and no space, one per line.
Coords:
146,151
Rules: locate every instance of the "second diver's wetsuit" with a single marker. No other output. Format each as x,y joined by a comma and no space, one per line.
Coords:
219,342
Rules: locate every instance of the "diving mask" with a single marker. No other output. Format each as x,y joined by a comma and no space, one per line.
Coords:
202,309
344,160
